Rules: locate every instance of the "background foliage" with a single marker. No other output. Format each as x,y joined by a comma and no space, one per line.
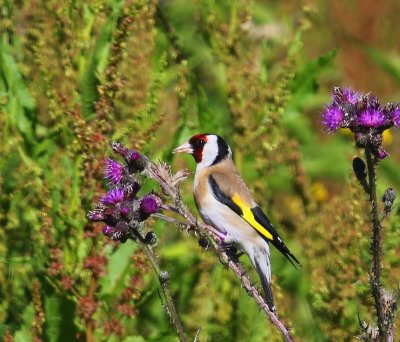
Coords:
75,75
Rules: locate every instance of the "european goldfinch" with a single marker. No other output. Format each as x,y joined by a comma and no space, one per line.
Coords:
225,203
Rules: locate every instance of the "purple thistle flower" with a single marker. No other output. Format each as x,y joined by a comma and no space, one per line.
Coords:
124,211
113,196
382,154
351,96
332,118
114,171
134,155
120,232
149,204
98,213
119,149
345,97
371,118
95,215
108,230
136,162
131,189
395,116
372,102
119,235
129,155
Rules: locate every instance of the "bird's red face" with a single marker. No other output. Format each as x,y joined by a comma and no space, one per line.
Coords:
207,149
194,146
197,142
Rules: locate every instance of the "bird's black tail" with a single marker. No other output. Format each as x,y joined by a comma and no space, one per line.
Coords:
264,272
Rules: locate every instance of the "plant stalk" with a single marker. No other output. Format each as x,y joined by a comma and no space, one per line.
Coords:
376,246
170,306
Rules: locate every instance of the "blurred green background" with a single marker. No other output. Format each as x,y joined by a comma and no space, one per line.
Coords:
75,75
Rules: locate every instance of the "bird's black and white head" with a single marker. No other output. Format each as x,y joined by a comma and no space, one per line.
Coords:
207,149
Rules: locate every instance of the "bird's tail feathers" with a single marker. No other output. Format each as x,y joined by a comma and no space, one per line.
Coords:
263,268
281,246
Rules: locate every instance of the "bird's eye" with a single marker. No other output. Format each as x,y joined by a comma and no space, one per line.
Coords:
198,144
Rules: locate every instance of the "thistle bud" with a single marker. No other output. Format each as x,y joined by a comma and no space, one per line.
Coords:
149,205
203,242
108,230
164,277
136,162
150,238
359,168
388,198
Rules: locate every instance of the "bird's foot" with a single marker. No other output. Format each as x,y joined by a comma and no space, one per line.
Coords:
232,251
223,236
226,239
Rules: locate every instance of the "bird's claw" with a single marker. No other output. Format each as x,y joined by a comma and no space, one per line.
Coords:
232,252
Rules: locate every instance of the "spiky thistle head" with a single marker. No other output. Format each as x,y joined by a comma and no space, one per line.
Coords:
114,171
120,208
363,115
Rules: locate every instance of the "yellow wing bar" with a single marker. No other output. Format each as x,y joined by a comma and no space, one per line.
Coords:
249,217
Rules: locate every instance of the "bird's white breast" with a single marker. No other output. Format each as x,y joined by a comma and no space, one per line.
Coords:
221,217
224,219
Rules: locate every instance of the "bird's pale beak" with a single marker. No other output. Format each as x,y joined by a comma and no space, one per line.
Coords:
184,148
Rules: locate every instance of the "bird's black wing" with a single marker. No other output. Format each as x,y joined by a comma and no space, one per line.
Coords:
254,216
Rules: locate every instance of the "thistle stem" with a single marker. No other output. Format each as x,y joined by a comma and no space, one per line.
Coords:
376,246
169,303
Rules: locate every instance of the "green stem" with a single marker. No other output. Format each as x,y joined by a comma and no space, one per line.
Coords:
376,246
170,306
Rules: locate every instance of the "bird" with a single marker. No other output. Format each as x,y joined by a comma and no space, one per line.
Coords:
225,202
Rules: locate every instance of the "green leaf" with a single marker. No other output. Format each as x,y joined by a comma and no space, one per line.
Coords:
117,266
23,336
390,64
20,103
305,80
13,78
24,333
134,339
59,313
93,66
53,318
